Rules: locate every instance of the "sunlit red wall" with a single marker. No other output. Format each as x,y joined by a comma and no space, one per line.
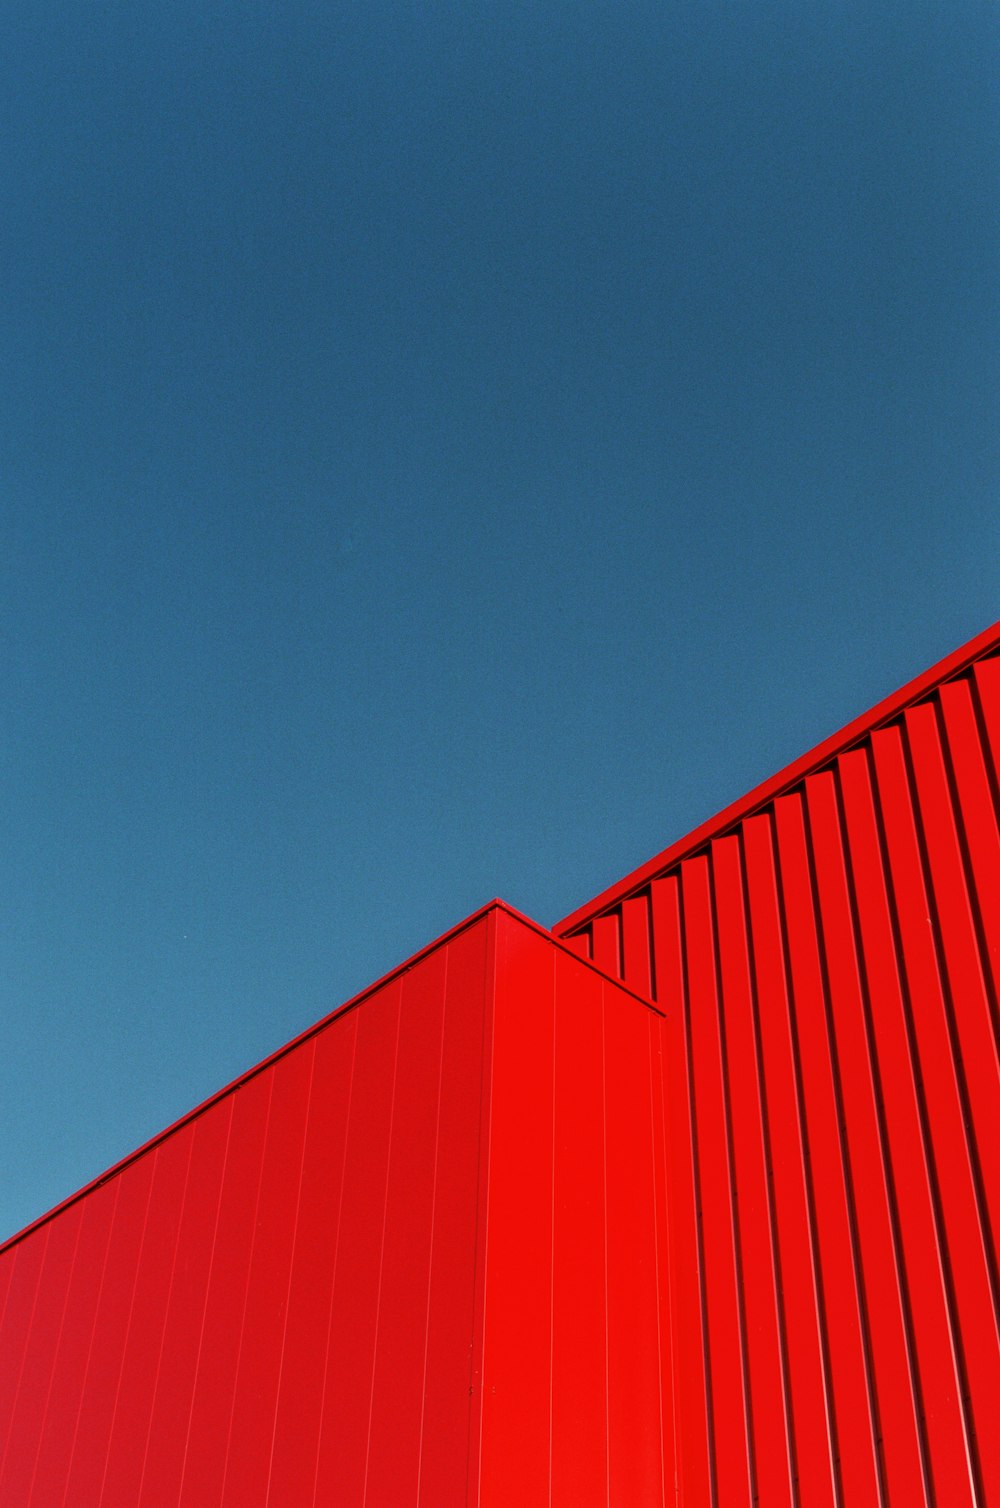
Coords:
828,953
503,1232
411,1260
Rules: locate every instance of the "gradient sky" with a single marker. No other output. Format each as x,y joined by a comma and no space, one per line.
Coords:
446,450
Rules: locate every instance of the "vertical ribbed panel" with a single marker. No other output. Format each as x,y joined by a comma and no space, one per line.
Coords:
574,1325
830,966
274,1303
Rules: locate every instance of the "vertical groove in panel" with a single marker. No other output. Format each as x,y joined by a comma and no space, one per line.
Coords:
960,952
14,1338
189,1134
66,1388
215,1376
916,1200
974,832
635,1447
977,807
354,1314
35,1377
27,1489
579,942
296,1224
858,1464
606,933
985,687
255,1392
68,1439
803,1332
8,1260
754,1217
90,1453
664,1337
636,951
295,1437
691,1388
970,1006
732,1426
449,1442
137,1381
166,1442
243,1305
393,1446
380,1290
436,1170
949,1123
903,1445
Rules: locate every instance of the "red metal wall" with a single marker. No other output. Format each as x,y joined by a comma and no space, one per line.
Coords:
499,1233
411,1260
274,1302
573,1411
828,953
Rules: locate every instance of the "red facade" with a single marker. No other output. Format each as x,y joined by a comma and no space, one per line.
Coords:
828,954
345,1280
503,1231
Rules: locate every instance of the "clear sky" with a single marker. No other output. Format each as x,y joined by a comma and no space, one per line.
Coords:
446,450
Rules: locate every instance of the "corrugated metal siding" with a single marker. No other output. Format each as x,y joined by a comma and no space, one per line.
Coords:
273,1303
575,1414
830,965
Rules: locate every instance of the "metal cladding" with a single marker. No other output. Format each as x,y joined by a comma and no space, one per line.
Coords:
828,953
351,1277
503,1231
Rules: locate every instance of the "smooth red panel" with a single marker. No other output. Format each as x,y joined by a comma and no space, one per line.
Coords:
580,1290
572,1406
636,1472
515,1451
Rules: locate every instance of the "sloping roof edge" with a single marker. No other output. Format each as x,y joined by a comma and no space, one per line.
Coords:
952,665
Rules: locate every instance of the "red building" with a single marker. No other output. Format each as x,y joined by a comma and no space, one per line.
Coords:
692,1200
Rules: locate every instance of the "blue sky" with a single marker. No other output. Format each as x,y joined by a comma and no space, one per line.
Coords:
446,450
